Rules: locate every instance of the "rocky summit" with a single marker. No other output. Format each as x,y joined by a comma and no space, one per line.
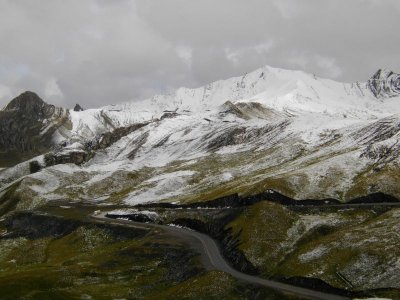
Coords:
28,126
30,105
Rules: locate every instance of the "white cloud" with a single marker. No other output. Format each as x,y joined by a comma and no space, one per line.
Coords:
299,60
52,90
394,3
236,56
185,53
232,55
5,94
328,64
287,8
103,51
264,48
93,33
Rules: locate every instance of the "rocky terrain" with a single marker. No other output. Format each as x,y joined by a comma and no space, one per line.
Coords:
385,84
28,127
270,131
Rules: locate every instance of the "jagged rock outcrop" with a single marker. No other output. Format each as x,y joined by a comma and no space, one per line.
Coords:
30,104
78,107
169,115
385,84
77,157
106,139
27,125
34,166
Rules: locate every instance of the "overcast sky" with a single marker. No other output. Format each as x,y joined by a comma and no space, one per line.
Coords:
97,52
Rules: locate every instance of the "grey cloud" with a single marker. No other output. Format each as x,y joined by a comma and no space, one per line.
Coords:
98,52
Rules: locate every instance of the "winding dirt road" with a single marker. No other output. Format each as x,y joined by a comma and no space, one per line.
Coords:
210,251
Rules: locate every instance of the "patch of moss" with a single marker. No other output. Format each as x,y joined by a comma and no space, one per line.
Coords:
263,228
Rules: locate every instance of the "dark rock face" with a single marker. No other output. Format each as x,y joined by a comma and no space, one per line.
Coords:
27,125
230,137
385,84
107,139
71,157
169,115
243,135
34,167
78,108
29,104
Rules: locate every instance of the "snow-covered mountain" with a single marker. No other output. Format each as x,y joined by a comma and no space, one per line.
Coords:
304,136
289,92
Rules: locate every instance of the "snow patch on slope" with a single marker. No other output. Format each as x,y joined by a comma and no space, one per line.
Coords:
161,187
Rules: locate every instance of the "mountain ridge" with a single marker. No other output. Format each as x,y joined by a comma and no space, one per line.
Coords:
270,129
240,141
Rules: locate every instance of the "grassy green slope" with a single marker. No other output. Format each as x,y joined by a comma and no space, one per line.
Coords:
359,245
101,262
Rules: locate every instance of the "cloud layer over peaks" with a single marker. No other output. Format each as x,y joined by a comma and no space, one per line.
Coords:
97,52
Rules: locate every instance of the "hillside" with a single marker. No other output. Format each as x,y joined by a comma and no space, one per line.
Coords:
271,129
232,160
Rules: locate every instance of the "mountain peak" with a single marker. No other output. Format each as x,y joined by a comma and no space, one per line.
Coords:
25,102
27,126
385,84
29,103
